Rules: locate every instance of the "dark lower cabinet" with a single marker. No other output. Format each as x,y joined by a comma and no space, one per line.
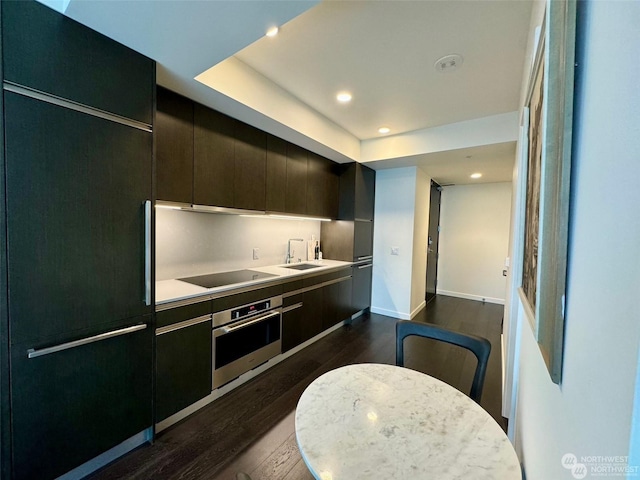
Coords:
361,297
312,309
183,366
292,318
337,303
72,405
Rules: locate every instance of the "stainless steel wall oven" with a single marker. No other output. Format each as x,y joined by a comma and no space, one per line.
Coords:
245,337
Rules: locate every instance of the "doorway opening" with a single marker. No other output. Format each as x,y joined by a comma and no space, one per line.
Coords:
433,241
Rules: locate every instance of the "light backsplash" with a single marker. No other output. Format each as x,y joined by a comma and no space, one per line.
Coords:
193,243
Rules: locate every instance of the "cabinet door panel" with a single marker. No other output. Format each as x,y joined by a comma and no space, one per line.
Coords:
361,297
250,167
276,174
76,185
365,184
296,190
173,131
72,405
183,368
312,311
362,239
52,53
322,187
292,321
213,160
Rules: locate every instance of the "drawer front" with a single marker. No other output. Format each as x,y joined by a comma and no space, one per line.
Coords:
180,314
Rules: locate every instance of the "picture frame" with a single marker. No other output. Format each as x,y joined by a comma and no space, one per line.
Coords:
549,120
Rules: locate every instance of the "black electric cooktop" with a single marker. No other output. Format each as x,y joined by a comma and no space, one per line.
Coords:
226,278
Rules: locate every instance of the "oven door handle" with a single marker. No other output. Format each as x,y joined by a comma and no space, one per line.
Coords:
250,322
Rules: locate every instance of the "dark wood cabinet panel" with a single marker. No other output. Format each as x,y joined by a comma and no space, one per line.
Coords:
312,312
173,132
213,158
296,187
322,187
362,239
361,297
276,181
250,167
365,185
52,53
183,368
292,320
76,186
72,405
357,192
180,314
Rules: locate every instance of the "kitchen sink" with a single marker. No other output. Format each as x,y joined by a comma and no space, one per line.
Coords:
303,266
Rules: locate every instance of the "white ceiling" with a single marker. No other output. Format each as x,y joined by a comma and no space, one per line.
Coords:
384,53
381,51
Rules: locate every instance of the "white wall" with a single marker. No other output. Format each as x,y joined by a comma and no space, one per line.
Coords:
420,236
591,412
393,227
190,243
474,241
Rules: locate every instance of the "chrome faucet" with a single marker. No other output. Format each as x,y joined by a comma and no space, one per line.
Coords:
289,252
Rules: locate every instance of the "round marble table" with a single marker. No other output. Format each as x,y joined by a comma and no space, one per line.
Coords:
370,421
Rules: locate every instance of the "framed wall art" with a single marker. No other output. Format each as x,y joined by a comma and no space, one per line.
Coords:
549,121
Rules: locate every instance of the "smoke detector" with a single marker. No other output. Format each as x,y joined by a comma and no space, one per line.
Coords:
448,63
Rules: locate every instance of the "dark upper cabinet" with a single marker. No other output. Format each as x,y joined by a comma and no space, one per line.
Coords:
173,132
71,405
76,186
322,186
51,53
250,167
296,186
213,158
357,192
276,181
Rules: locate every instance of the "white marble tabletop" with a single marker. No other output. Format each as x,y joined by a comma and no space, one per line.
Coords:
369,421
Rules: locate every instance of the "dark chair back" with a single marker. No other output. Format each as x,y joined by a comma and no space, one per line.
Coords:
480,347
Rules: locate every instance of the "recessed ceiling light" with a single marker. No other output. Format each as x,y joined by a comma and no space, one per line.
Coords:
272,32
476,175
344,97
384,130
448,63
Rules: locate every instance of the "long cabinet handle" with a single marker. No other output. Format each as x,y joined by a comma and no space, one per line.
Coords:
185,324
292,307
366,257
147,252
368,265
251,322
32,353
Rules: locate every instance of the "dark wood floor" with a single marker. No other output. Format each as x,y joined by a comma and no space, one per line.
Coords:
251,429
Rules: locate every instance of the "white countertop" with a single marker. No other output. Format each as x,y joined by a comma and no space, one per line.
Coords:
168,291
369,421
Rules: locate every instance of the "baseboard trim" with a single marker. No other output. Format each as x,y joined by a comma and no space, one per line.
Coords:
391,313
419,308
468,296
109,456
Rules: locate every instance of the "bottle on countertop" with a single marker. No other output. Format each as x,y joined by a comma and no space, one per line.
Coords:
316,255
